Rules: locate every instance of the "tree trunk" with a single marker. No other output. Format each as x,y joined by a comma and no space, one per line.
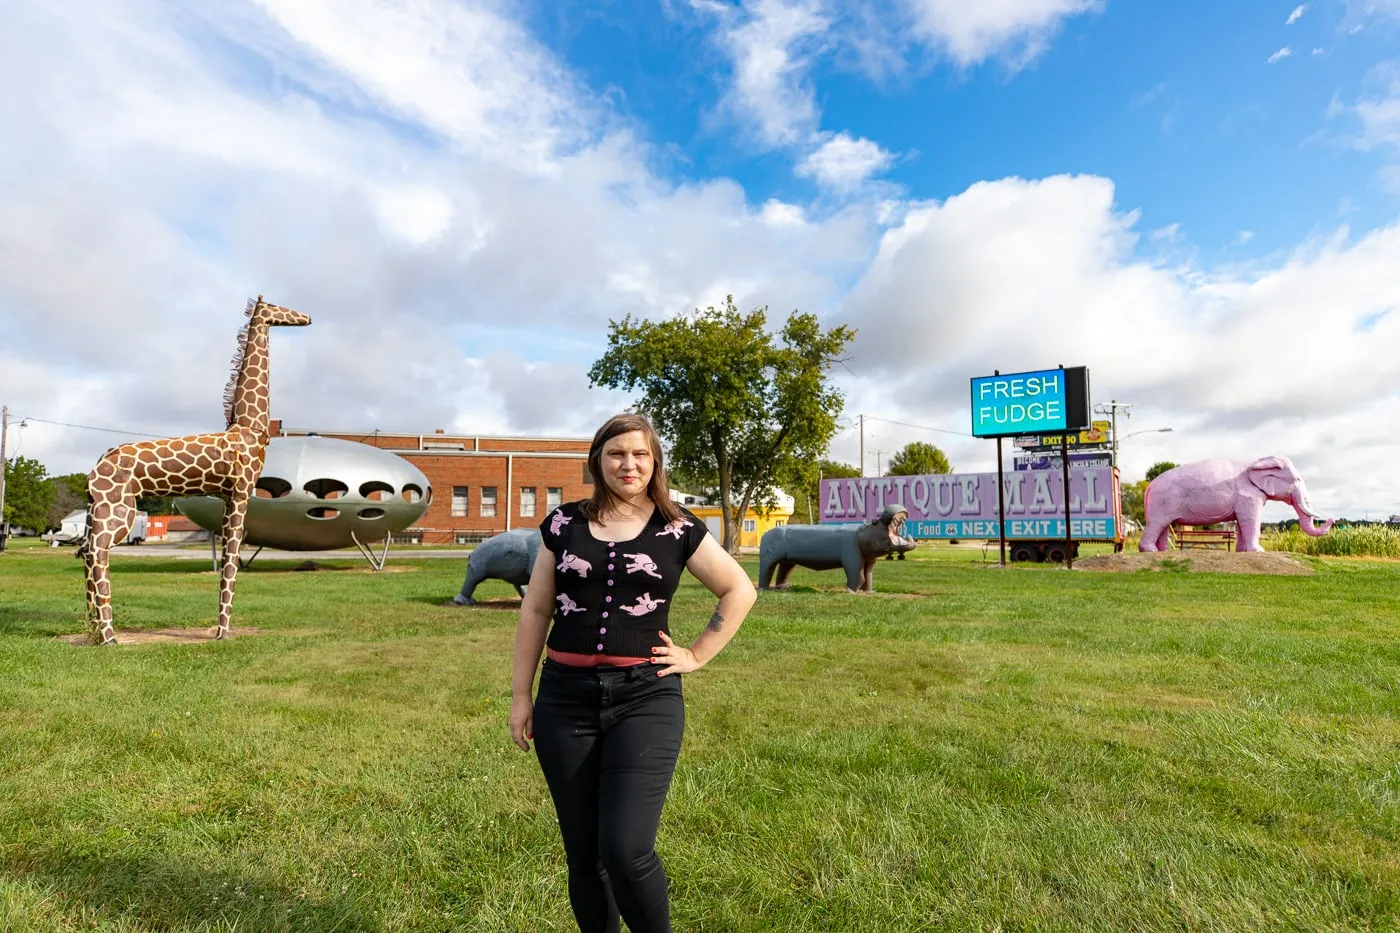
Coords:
729,539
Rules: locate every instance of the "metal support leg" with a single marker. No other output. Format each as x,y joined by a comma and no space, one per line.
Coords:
245,564
378,561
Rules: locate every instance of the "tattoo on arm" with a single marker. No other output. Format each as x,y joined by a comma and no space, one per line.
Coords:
716,623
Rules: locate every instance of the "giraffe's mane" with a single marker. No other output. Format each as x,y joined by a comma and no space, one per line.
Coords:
240,348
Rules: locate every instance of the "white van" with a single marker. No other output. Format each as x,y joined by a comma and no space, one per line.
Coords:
73,529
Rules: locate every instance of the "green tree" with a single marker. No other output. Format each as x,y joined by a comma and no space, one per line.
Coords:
1134,506
918,458
27,495
69,495
156,505
807,497
1158,468
732,402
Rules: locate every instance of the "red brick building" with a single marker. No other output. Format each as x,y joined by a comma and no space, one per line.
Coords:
481,485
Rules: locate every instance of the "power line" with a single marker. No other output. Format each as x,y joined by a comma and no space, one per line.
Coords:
89,427
921,427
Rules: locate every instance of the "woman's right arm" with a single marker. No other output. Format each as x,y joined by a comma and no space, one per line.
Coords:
535,611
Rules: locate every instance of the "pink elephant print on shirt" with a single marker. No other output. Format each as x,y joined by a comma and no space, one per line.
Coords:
675,528
567,605
575,563
642,563
644,605
558,521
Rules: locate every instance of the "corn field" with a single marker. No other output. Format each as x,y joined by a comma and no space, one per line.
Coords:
1358,541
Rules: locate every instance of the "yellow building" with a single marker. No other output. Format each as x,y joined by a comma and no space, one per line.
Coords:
754,523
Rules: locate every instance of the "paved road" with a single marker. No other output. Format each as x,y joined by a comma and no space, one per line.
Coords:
202,553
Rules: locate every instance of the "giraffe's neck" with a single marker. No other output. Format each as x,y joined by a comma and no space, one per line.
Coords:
250,403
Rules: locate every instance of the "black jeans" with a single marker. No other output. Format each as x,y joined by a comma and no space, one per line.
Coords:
607,740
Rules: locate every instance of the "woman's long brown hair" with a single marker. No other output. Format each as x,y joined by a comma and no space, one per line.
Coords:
604,499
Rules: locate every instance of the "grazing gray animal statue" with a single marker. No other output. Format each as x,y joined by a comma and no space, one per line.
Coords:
508,556
853,548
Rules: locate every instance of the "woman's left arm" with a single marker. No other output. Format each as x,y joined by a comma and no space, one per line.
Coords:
722,576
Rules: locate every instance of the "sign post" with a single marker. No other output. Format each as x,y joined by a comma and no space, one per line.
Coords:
1069,542
1048,401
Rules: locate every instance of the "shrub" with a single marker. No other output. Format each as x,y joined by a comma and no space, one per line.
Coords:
1361,541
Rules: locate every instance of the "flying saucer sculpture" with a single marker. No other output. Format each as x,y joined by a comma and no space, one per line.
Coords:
318,493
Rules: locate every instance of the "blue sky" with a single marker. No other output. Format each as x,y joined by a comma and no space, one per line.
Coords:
1178,103
1199,201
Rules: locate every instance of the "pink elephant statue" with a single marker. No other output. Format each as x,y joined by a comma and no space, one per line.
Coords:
1225,490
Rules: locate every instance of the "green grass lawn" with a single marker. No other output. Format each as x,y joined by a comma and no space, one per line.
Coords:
975,749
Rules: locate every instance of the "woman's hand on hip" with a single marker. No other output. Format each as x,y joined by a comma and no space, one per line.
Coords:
679,660
522,721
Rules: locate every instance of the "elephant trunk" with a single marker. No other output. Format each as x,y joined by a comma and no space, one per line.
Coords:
1307,518
1305,522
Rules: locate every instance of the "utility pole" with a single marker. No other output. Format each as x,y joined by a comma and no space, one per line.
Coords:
1111,409
877,462
862,445
4,432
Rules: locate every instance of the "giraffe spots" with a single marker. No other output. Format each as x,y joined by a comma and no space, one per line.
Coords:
105,468
104,589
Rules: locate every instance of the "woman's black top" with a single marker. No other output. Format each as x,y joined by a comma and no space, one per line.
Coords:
612,597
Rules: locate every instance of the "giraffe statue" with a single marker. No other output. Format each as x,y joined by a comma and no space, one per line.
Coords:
226,465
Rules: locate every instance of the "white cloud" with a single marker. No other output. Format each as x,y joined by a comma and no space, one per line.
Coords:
466,73
1169,234
770,43
461,260
1242,238
1017,31
1372,9
1380,114
1280,55
1376,125
843,163
773,46
1019,275
1296,15
171,170
782,214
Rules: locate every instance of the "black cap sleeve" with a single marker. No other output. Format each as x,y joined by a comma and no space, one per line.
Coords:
694,534
555,527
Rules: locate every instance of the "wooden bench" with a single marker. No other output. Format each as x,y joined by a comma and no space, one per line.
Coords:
1188,537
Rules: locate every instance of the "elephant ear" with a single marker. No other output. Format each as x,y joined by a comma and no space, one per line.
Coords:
1271,474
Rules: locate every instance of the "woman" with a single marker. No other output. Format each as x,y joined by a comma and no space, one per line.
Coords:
608,719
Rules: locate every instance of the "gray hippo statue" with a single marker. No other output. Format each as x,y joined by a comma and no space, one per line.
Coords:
508,556
853,548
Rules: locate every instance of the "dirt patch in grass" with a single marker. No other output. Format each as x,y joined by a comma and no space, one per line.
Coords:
1198,561
808,588
501,603
178,636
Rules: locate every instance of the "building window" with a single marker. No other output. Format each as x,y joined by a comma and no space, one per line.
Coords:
527,501
407,537
587,474
554,497
750,524
459,501
488,501
470,537
778,523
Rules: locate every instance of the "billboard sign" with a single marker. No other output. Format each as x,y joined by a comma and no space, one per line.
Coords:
1050,400
1097,435
1050,460
964,505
